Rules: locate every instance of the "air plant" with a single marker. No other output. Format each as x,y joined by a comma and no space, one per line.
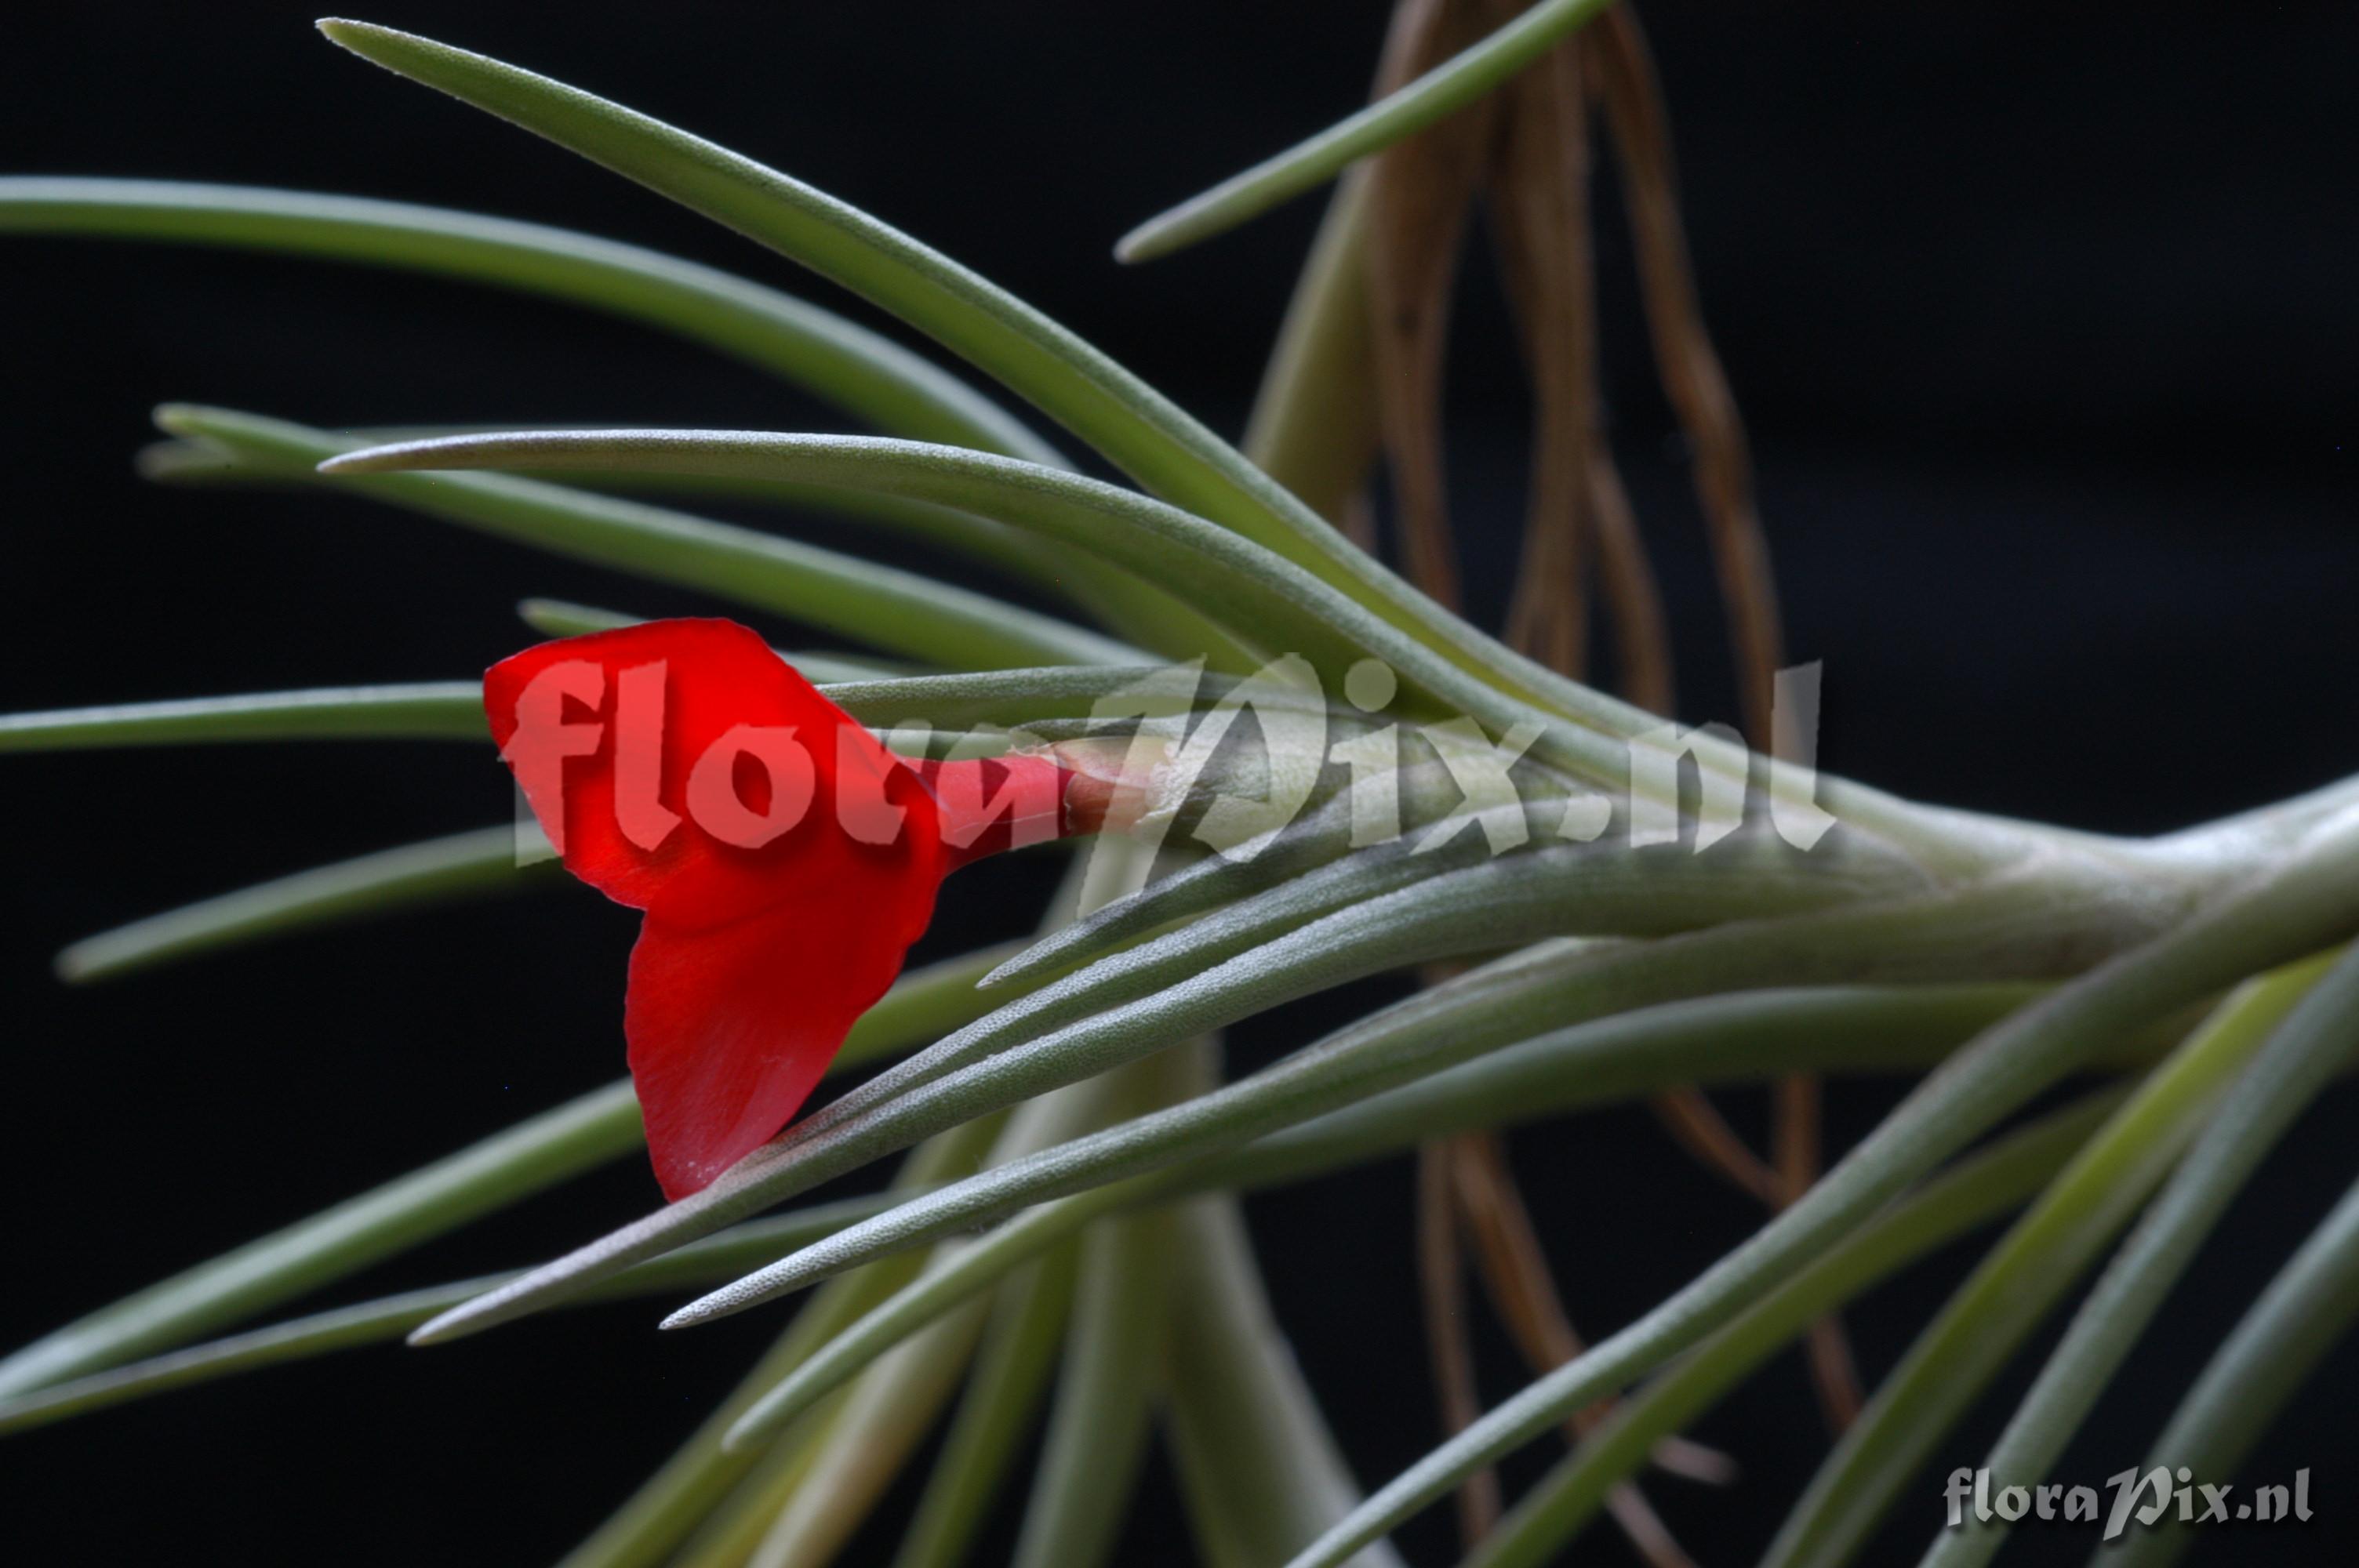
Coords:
1603,906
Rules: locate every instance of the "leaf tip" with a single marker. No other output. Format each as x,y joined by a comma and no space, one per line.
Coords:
461,1321
689,1316
342,29
77,965
1143,243
390,459
183,419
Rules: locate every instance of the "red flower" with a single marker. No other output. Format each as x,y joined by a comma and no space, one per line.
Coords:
785,860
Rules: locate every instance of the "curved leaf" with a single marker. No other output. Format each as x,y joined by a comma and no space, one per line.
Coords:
859,371
2301,1056
1257,1465
2304,907
503,1169
1453,914
986,1436
1134,426
1270,602
2021,1279
385,1320
422,710
895,609
488,860
1967,1195
2307,1307
1746,1037
1447,88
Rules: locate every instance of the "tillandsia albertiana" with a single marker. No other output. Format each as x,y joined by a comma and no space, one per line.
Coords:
1279,767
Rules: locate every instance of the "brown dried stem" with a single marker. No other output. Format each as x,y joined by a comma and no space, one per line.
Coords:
1421,192
1441,1283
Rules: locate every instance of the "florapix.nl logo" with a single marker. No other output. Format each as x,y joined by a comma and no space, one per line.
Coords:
1229,763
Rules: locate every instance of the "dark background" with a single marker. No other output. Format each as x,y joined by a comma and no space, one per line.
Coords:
2042,321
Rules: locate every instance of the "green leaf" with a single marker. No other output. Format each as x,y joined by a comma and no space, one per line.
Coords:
882,1420
986,1436
957,1274
1263,598
504,1168
2304,907
561,618
700,1476
866,374
1098,1424
859,371
883,1413
1968,1195
1314,427
1516,999
1311,842
2301,1056
1008,697
1153,541
1511,1000
423,711
386,1319
488,860
196,463
2307,1307
464,865
1447,88
501,1170
1119,415
2022,1278
1749,1037
1258,1467
894,610
1455,913
1378,908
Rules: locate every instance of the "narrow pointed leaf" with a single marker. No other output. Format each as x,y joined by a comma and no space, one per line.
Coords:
1511,1000
2300,909
1134,426
1969,1195
1073,383
894,610
423,711
2301,1056
1258,594
1745,1038
861,372
845,363
464,865
700,1474
503,1169
1516,1000
1447,88
1257,1464
986,1436
385,1320
2020,1281
2257,1370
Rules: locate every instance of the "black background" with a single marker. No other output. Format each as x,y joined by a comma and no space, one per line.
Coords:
2042,319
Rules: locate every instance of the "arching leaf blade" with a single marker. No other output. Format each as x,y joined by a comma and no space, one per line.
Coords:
1447,88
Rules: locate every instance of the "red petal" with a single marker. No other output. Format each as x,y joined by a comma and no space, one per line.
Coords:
604,733
731,1027
763,943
